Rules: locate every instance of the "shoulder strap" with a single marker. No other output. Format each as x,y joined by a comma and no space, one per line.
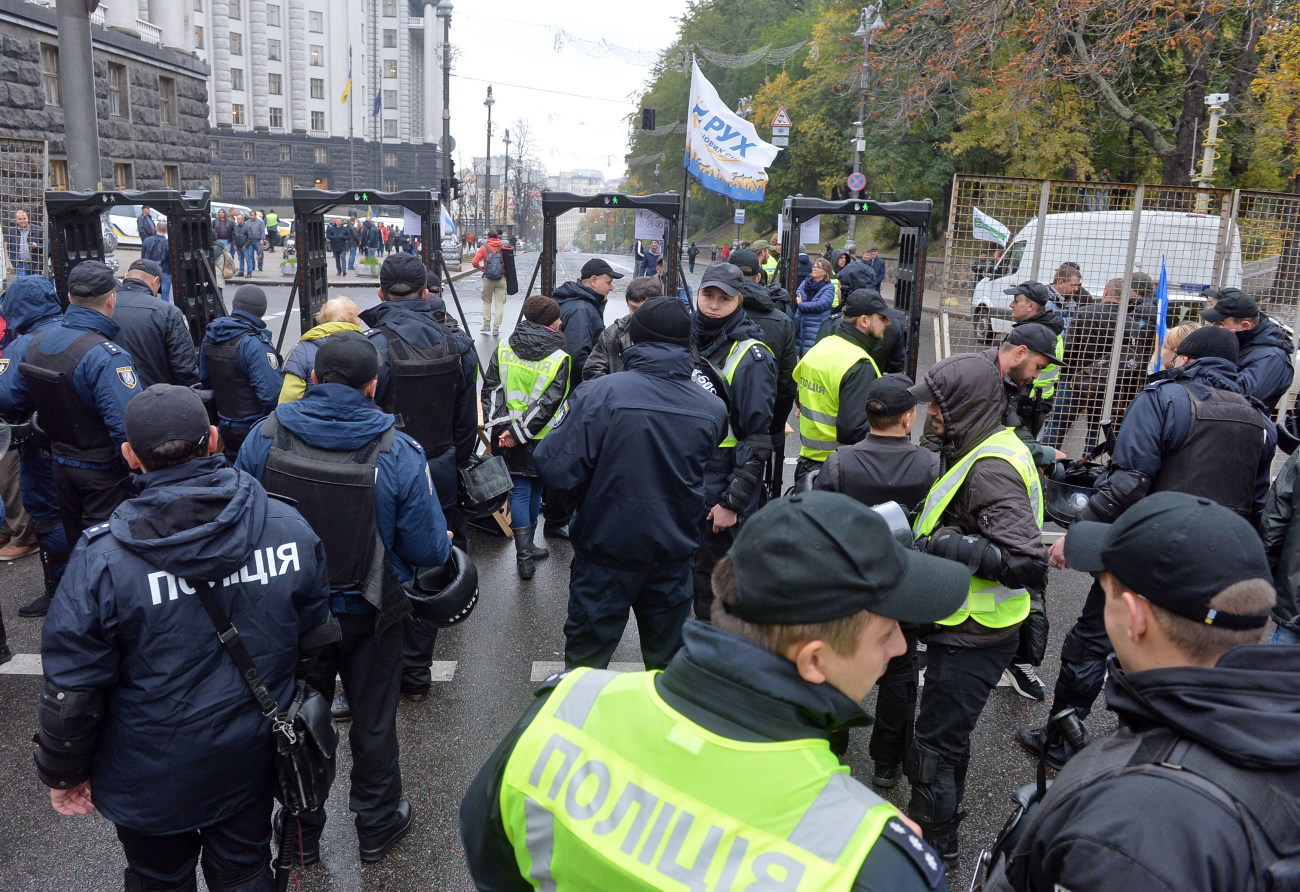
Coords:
228,635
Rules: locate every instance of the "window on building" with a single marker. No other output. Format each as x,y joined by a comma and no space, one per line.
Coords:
250,151
275,84
390,159
167,100
236,43
123,175
273,15
286,186
286,152
50,74
317,55
390,185
316,21
318,120
390,99
390,130
277,118
237,113
318,88
119,93
390,8
236,9
171,176
273,49
58,173
216,184
250,185
236,78
322,155
390,68
390,38
198,36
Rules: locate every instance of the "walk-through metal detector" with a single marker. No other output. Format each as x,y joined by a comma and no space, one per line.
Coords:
312,206
666,204
913,220
76,234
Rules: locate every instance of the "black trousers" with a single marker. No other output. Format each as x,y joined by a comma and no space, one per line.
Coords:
86,497
1083,657
958,681
236,854
340,261
712,547
891,734
600,598
370,669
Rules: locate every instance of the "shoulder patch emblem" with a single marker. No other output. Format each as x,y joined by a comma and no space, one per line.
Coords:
126,375
113,349
921,854
4,366
273,360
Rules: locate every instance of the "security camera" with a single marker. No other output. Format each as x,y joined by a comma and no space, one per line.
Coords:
1219,99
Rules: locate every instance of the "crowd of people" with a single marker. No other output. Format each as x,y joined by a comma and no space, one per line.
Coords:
765,617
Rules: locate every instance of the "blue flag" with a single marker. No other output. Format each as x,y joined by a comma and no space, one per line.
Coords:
1162,312
375,112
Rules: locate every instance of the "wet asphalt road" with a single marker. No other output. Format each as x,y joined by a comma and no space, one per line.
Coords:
490,667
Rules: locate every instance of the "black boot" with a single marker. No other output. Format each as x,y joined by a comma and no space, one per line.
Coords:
538,552
942,837
523,557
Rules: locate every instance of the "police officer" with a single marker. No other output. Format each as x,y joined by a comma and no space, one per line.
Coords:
79,382
333,441
240,365
29,306
985,512
833,378
741,366
768,258
632,448
1264,358
1190,430
778,333
143,706
725,754
1198,789
152,330
1029,302
428,379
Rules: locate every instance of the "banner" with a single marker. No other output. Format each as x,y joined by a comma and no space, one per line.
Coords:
723,150
810,231
448,224
650,225
989,229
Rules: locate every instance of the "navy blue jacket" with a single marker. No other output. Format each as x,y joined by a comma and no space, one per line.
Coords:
182,743
812,310
877,268
154,332
257,357
633,447
105,379
583,313
856,274
29,303
145,226
1265,362
156,248
335,416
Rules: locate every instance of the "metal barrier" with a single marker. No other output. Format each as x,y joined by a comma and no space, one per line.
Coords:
666,204
23,166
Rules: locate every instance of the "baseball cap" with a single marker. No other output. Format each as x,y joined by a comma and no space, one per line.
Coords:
661,319
91,278
1036,337
162,413
746,261
598,267
760,245
890,395
724,275
1232,304
819,556
865,302
433,281
1178,551
147,266
350,354
403,275
1210,340
1035,291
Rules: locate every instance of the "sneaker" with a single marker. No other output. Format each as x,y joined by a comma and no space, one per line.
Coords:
496,332
14,552
39,607
486,329
1025,681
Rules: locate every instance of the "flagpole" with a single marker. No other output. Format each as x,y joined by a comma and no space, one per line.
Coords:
352,145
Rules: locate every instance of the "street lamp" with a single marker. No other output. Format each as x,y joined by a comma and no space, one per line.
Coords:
868,24
443,12
487,164
505,183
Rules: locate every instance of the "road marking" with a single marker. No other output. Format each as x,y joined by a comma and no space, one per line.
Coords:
23,664
543,670
443,670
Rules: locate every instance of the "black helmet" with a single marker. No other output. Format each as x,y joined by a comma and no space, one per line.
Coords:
446,595
1067,490
1288,433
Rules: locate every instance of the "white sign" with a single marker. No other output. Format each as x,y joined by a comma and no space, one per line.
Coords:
780,141
780,131
782,118
740,217
600,236
810,231
650,225
723,150
411,222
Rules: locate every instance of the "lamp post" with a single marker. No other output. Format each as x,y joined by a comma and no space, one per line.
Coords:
505,183
487,165
443,12
869,23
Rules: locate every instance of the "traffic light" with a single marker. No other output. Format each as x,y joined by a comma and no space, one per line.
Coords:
442,188
455,187
647,119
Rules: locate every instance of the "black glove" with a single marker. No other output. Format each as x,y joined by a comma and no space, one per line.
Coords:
1117,490
981,557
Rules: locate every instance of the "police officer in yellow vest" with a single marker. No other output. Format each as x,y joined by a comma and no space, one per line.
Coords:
769,257
717,773
524,388
1029,303
833,378
986,512
740,367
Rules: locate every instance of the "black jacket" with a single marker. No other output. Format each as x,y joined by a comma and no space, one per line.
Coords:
1152,832
583,312
606,357
881,469
532,342
856,274
633,446
1280,529
733,689
1265,362
778,334
154,333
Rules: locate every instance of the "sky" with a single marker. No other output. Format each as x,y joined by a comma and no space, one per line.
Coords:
511,45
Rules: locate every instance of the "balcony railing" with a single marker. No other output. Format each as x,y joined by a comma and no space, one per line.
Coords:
149,32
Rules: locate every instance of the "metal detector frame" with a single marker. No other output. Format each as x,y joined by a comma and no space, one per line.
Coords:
666,204
76,235
913,220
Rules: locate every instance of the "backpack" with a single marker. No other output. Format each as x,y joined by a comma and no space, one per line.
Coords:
494,268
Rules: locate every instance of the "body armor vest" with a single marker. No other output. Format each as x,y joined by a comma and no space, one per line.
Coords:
1223,424
422,391
231,387
75,429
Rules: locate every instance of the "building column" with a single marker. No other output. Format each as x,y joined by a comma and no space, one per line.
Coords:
406,81
220,65
176,21
261,112
298,69
432,74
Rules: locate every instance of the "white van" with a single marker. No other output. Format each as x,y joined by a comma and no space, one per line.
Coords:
122,219
1098,242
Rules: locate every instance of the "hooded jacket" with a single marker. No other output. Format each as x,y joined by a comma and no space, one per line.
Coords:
532,342
492,245
633,448
302,359
1265,362
257,358
29,302
155,334
779,335
583,312
181,742
1148,831
736,690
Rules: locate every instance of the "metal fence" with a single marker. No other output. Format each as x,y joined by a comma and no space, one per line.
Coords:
23,168
1102,247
